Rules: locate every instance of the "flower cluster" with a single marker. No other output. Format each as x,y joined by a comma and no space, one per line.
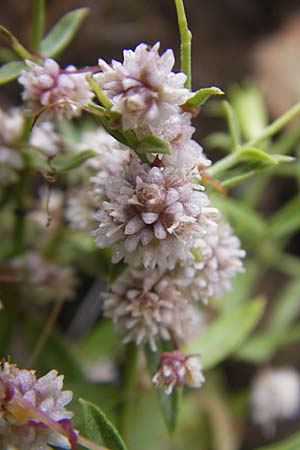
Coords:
50,88
275,395
11,130
156,215
28,406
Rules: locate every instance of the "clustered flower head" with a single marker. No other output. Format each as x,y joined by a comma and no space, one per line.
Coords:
157,217
48,87
177,369
143,89
44,281
275,395
27,405
11,162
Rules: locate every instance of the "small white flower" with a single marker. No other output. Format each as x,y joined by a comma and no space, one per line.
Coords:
44,136
216,259
152,215
176,369
110,153
10,133
143,89
19,429
44,281
146,305
275,395
65,92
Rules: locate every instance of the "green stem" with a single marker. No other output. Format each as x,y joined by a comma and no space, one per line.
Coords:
128,384
38,25
233,158
45,333
15,44
20,215
103,99
186,43
275,126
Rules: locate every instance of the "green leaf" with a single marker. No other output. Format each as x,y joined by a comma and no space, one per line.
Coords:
10,71
286,306
233,124
64,163
153,144
98,428
226,334
102,340
291,443
234,177
257,158
250,109
287,220
246,219
168,403
202,95
262,347
38,24
219,140
63,32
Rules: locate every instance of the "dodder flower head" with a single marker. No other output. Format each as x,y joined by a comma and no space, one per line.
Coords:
217,258
47,85
10,133
176,369
275,395
146,306
22,393
143,89
152,215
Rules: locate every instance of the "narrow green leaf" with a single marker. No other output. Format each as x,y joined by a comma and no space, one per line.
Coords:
219,140
237,176
250,109
227,333
63,32
13,42
153,144
233,124
10,71
287,220
38,23
98,428
202,95
262,347
169,403
257,158
291,443
64,163
286,306
246,219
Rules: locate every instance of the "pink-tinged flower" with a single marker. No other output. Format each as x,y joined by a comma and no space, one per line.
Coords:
10,133
24,400
44,137
110,153
217,259
177,369
64,92
143,89
152,215
44,281
275,395
186,153
146,305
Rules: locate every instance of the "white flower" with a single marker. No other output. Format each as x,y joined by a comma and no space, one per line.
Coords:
65,92
275,394
44,281
146,306
10,133
152,215
217,258
81,208
45,137
176,369
18,427
143,89
110,153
